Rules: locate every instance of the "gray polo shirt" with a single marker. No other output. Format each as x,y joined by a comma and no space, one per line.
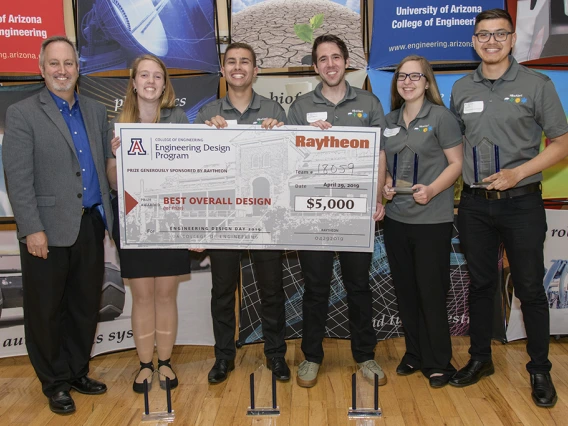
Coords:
512,113
432,131
359,108
259,109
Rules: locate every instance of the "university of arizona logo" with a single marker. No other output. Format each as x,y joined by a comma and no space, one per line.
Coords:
136,147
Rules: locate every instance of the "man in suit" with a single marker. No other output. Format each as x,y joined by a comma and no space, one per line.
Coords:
55,170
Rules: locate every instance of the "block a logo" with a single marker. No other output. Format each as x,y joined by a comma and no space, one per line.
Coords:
136,147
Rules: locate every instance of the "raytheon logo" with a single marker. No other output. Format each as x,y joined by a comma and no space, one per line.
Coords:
136,147
331,142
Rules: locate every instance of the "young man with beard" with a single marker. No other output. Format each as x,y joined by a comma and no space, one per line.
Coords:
335,103
243,106
510,106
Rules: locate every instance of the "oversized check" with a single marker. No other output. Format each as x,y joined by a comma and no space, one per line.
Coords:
294,187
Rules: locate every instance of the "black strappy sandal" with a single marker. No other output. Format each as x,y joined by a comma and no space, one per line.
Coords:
139,387
173,382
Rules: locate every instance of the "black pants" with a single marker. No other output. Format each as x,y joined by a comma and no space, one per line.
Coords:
519,222
317,269
61,304
419,259
225,271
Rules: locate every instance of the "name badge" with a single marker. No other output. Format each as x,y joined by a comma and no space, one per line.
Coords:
231,122
312,117
391,132
471,107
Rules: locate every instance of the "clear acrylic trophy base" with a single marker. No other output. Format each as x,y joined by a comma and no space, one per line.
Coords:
364,396
482,185
263,393
158,417
364,413
263,411
156,395
404,190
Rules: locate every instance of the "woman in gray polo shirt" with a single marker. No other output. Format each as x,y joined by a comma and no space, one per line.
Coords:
418,224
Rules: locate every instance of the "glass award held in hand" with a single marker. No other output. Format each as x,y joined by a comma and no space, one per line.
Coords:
405,171
485,162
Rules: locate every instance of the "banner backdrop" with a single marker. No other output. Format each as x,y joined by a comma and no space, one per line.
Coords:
555,182
285,89
282,31
381,84
191,92
385,310
112,33
10,95
555,279
542,30
114,331
24,25
439,30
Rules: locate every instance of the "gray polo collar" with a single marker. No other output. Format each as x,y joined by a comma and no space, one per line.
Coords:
508,75
165,113
254,103
318,97
424,111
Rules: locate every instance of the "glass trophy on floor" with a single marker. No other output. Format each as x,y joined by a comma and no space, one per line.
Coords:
405,171
158,399
485,162
263,393
364,395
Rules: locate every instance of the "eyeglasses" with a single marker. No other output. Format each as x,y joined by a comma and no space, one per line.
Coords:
484,37
413,76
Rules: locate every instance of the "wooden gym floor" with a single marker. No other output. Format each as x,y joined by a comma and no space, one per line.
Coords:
502,399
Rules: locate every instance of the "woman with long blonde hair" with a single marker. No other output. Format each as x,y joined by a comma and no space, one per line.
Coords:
152,273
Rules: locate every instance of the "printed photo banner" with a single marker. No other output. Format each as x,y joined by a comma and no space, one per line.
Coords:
114,331
286,90
439,30
191,92
555,279
10,95
282,31
112,33
24,25
542,31
386,320
555,182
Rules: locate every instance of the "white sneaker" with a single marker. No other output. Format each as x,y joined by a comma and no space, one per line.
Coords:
370,368
307,374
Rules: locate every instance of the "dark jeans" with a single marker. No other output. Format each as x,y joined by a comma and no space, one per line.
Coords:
317,269
419,259
225,271
519,222
61,305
